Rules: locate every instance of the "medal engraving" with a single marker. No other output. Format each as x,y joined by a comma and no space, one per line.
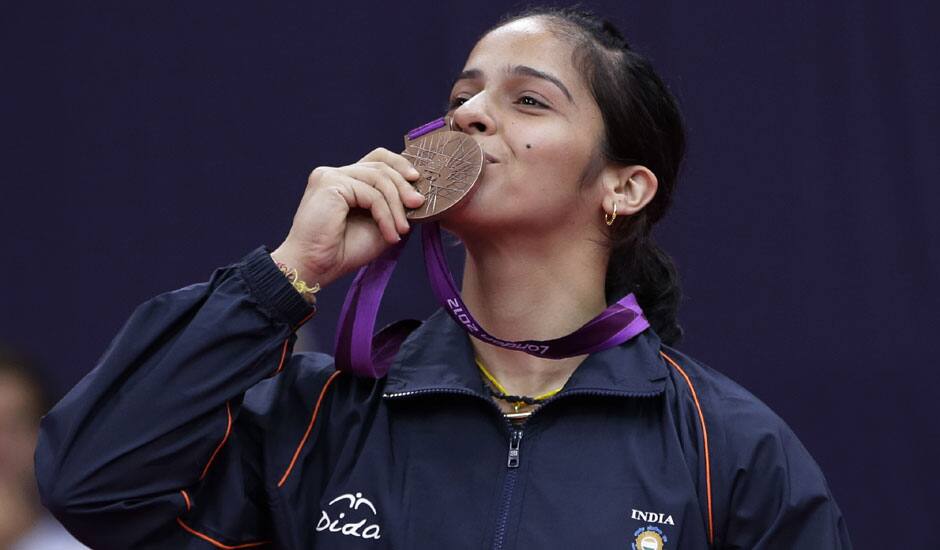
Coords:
450,164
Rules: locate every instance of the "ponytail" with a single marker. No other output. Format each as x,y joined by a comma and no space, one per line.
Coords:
645,269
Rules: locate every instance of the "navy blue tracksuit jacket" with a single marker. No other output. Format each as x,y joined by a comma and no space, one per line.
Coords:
201,429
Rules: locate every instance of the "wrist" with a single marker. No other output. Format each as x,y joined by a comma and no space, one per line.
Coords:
305,282
265,282
307,292
286,256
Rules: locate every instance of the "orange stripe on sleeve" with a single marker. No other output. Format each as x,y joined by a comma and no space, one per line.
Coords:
228,431
305,319
189,503
280,364
313,419
216,543
708,467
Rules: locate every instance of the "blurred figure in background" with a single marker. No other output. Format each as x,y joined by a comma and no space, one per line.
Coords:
24,523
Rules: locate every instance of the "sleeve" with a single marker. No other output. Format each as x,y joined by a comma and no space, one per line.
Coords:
123,457
779,498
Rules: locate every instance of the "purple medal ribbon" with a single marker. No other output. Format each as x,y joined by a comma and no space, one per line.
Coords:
357,318
427,128
617,324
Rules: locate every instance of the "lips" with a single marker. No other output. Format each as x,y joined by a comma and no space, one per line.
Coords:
489,159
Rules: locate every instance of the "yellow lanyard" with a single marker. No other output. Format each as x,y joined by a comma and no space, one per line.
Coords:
518,404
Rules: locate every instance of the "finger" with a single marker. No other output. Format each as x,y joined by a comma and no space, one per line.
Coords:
406,190
401,164
383,180
407,194
357,194
367,197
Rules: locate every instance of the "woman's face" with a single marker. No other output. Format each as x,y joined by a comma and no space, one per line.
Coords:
529,108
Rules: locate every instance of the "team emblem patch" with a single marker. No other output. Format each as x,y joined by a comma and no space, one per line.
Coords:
648,538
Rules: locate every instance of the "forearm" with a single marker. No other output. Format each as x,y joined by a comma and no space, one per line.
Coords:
149,418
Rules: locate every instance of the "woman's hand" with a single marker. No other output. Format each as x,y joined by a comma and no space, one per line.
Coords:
349,215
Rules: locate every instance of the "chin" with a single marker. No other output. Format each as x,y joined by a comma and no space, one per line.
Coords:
487,211
463,221
474,223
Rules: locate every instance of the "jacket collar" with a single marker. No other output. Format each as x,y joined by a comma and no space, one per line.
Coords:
438,356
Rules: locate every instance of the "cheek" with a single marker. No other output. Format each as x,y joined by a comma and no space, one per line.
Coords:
555,160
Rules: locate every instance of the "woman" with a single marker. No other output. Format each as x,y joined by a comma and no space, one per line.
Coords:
201,429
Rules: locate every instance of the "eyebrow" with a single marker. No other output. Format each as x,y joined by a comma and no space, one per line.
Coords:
518,70
471,74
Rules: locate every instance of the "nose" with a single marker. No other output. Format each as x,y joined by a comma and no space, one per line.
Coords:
473,116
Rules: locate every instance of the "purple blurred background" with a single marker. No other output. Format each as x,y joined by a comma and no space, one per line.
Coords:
145,144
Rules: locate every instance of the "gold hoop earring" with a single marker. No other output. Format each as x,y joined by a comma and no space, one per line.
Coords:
609,218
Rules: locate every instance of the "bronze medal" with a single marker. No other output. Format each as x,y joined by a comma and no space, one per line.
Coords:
450,164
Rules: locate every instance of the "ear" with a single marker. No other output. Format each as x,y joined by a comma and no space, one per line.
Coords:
629,187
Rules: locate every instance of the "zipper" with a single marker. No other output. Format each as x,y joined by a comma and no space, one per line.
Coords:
512,461
457,391
431,390
453,391
509,486
515,442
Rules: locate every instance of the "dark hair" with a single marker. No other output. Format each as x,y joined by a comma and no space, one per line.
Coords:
642,126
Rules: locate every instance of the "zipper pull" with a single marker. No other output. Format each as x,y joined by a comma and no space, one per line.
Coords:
514,440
